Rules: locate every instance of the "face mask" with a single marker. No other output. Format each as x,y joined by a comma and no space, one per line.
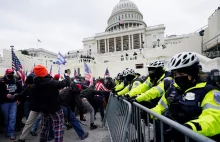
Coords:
183,82
129,77
10,76
151,72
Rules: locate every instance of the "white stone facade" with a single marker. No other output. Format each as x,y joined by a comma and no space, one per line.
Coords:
114,49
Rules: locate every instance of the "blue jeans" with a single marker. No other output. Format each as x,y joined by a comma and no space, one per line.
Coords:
36,123
73,120
26,109
9,111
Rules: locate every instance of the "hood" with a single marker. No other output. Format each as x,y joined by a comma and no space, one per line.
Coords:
39,81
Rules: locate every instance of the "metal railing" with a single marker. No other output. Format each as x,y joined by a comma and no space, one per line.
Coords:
117,118
133,123
211,43
159,128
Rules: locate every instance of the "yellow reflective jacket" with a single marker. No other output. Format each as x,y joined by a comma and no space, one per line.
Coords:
134,84
145,86
116,82
155,92
209,119
119,87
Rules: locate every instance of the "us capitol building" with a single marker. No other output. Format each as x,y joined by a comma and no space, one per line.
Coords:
129,42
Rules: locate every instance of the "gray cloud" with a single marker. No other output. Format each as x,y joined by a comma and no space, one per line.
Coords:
61,25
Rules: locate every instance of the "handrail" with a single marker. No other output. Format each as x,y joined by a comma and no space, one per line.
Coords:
212,39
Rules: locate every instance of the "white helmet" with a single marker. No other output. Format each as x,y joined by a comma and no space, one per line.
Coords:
156,64
182,60
127,72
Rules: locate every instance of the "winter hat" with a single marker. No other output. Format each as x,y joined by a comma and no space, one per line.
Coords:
56,77
29,80
9,71
40,71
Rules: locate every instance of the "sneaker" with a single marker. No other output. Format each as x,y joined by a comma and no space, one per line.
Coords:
82,119
33,133
17,129
20,140
85,136
93,126
50,138
7,136
12,137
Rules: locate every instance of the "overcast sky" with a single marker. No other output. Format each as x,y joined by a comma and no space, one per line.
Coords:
62,24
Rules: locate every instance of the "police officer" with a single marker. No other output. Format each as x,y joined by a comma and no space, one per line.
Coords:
156,75
190,100
122,83
133,81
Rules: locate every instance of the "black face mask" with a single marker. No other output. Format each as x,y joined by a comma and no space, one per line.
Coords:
155,73
130,77
10,76
183,82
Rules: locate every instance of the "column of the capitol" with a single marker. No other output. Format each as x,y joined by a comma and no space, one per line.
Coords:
114,44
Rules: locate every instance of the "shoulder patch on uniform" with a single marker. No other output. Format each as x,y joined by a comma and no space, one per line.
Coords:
136,83
190,96
217,97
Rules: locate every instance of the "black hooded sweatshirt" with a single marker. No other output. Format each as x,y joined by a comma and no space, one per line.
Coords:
9,87
46,93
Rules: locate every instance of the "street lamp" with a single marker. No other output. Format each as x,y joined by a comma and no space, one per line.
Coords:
158,40
201,33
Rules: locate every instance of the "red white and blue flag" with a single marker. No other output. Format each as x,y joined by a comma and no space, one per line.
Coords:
60,59
16,66
75,72
88,74
106,73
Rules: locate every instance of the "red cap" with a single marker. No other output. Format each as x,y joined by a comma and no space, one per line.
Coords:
56,77
9,71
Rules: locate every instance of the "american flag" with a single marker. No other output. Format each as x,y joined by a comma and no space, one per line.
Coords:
120,22
75,72
106,73
88,74
51,70
16,66
60,59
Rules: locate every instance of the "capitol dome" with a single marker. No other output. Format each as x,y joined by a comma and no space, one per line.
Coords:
125,12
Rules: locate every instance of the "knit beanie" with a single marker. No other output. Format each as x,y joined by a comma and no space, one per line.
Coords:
29,80
40,71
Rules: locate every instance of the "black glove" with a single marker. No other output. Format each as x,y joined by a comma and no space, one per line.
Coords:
188,126
133,100
126,97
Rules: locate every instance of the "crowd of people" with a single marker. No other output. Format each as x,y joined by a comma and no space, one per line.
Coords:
182,92
44,98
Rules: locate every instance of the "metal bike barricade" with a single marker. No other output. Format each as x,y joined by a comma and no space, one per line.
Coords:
117,118
141,129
